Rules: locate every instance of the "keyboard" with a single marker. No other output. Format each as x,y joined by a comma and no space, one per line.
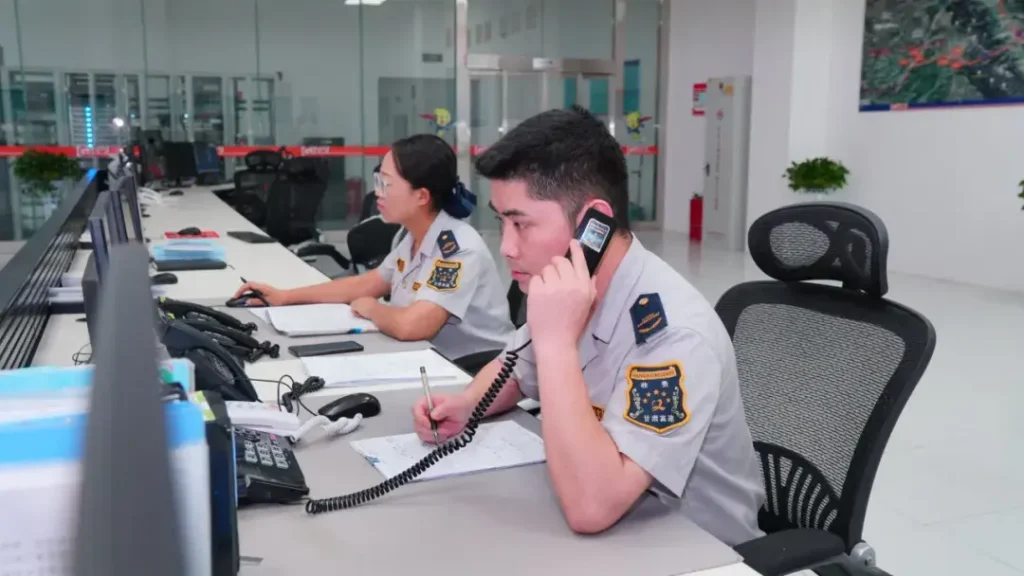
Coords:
267,469
185,265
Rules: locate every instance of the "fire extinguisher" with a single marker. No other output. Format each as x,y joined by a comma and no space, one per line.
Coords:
696,217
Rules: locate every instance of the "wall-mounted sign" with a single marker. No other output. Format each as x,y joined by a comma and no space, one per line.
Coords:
700,97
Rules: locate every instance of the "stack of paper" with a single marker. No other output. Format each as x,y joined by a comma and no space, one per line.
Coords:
386,368
496,445
318,320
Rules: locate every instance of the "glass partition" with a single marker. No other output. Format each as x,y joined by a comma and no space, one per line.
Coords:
340,79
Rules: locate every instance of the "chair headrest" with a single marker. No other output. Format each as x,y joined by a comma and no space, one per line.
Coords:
263,160
823,241
302,167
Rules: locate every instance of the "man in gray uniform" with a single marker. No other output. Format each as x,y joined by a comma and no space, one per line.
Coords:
634,371
453,269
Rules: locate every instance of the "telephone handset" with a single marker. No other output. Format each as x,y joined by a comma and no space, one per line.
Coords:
594,233
215,369
235,340
190,311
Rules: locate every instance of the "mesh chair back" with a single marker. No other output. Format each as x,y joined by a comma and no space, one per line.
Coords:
264,160
370,241
294,200
824,370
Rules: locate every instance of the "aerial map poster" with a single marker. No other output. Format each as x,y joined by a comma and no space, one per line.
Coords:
934,53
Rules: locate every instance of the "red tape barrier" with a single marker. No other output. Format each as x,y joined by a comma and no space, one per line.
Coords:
241,151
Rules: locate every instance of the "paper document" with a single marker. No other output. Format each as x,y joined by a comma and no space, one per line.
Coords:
388,367
318,320
496,445
261,313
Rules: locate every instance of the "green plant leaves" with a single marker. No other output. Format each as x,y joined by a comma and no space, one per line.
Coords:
816,175
37,170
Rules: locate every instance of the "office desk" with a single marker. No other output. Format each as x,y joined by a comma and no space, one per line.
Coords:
501,522
200,207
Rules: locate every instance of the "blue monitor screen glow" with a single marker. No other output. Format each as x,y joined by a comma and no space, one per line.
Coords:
207,161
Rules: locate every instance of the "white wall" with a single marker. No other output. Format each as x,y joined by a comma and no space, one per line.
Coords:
705,39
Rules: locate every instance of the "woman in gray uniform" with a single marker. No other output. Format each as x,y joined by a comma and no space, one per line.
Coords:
442,280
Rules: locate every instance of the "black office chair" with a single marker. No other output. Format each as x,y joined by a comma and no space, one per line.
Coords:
294,201
473,363
824,372
252,185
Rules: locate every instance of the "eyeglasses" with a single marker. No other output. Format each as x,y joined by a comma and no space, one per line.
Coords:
379,184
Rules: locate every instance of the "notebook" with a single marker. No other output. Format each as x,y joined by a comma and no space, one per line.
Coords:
318,320
382,368
496,445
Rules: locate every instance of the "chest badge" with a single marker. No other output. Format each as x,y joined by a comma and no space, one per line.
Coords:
447,243
444,277
648,316
656,397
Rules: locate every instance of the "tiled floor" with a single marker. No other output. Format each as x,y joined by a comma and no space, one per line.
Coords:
948,497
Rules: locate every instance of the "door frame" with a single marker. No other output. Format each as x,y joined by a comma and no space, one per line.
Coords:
475,65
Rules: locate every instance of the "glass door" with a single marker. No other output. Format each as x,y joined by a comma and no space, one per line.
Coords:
505,90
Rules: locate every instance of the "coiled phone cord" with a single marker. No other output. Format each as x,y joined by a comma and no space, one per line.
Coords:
450,447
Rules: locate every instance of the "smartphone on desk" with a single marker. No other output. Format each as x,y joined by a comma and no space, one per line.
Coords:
325,348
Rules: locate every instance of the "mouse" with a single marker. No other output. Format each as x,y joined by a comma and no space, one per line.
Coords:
243,300
349,406
163,278
190,231
176,193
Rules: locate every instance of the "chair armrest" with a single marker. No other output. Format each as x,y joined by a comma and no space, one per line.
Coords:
473,363
323,250
789,551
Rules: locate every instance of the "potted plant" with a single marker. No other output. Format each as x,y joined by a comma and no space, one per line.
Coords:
818,176
39,174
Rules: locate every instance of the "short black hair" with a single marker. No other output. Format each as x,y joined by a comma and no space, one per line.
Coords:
567,156
427,161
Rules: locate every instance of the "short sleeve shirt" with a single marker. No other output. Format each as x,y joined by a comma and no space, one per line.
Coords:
661,375
454,269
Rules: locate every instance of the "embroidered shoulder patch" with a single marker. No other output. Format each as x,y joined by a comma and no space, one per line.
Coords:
648,317
656,397
400,265
416,286
447,243
444,277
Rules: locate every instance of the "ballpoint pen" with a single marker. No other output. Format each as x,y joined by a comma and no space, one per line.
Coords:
430,404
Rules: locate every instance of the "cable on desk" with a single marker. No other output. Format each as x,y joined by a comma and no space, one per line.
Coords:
450,447
82,357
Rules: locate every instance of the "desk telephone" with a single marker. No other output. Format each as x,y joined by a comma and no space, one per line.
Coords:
593,233
232,334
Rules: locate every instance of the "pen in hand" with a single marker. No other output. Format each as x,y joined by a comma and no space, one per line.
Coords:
430,404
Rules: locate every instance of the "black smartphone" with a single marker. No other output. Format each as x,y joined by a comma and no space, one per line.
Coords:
594,233
325,348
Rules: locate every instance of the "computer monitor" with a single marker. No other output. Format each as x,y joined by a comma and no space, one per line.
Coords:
97,227
117,226
179,161
130,191
207,161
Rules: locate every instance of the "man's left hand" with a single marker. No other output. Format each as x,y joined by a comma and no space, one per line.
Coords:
362,306
560,300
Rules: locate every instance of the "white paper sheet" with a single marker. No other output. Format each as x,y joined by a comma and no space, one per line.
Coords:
318,320
496,445
383,368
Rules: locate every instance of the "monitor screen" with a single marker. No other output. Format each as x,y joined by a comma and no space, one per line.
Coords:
179,161
97,227
117,227
130,191
207,161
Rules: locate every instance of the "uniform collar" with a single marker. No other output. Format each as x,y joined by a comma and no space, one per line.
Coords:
442,222
602,325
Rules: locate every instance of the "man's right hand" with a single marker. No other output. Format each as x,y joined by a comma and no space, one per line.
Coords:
451,412
272,295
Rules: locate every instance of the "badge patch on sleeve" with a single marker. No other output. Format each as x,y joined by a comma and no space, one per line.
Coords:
400,265
656,397
447,243
445,275
416,286
648,317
